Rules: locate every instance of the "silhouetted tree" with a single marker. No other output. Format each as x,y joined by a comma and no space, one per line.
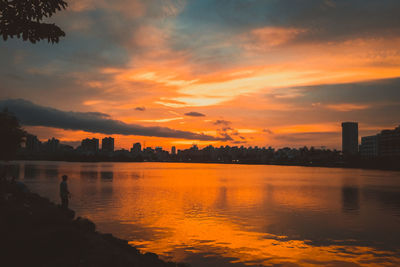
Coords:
11,135
23,18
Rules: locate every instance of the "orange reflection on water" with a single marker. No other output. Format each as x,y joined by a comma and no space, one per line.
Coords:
212,236
207,214
214,214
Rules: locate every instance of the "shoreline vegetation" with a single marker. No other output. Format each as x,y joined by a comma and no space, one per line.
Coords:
37,232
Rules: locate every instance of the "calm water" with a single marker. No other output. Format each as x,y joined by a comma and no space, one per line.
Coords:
236,215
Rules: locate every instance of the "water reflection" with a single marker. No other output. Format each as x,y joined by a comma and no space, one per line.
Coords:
107,175
208,214
388,198
350,199
222,201
31,171
90,175
51,171
135,175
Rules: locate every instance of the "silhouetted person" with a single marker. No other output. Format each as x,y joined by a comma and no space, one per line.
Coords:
64,193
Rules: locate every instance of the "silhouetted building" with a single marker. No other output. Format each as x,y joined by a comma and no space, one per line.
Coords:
350,138
136,148
107,144
32,143
389,143
90,145
52,145
53,149
65,148
148,150
369,146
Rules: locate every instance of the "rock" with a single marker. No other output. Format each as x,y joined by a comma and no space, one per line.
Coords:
85,225
36,232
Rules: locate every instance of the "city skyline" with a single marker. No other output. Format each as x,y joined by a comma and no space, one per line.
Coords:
352,143
378,151
22,108
176,72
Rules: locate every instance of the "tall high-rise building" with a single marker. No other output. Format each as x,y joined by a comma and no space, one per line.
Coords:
91,145
107,144
350,138
173,150
52,145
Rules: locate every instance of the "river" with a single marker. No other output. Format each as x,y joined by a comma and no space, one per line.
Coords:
235,215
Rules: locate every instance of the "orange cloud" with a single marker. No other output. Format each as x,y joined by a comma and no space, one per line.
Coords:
268,37
347,107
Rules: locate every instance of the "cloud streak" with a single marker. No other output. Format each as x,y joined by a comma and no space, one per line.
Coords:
31,114
195,114
307,137
222,122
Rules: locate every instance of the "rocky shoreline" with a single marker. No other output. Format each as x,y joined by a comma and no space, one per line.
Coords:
37,232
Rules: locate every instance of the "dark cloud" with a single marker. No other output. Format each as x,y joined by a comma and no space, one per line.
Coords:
227,132
307,137
384,90
97,114
140,108
235,132
239,142
195,114
322,20
222,122
225,129
374,103
268,131
31,114
225,136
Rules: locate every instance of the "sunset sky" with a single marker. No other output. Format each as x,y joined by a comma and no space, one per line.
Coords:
174,72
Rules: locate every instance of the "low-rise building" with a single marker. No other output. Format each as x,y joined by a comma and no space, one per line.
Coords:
136,148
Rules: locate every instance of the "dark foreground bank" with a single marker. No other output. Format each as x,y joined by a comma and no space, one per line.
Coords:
36,232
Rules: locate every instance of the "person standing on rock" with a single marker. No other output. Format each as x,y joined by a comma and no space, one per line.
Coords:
64,193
